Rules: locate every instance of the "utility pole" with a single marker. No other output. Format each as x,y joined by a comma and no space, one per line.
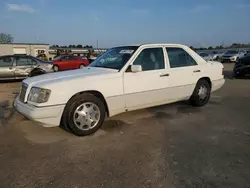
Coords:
97,44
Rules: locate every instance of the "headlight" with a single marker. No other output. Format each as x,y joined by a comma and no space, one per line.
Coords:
39,95
233,58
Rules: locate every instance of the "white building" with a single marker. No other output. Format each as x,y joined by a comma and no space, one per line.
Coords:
23,48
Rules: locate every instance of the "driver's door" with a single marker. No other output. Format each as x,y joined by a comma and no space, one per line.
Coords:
149,87
6,67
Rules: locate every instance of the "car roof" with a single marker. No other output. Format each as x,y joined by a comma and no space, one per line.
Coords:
155,44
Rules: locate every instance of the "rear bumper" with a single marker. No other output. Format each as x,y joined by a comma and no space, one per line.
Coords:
217,84
47,116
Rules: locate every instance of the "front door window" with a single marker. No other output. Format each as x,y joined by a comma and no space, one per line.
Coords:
150,59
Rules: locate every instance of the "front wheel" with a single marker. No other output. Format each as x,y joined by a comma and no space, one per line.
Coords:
84,114
201,93
81,66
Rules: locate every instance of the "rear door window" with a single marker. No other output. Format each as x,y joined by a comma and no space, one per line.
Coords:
24,61
179,58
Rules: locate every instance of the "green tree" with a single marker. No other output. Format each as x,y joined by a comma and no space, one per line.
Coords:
210,48
191,47
6,38
88,46
79,46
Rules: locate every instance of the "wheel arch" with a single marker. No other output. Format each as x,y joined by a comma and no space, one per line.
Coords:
96,93
38,70
207,79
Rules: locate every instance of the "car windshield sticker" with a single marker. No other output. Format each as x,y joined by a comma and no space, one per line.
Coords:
126,51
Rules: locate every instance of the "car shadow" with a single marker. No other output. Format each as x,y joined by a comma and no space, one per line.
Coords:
228,74
10,81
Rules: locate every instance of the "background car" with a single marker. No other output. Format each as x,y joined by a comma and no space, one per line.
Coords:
68,62
22,66
217,55
233,55
242,67
206,56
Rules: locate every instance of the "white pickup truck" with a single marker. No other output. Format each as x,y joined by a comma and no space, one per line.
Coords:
123,79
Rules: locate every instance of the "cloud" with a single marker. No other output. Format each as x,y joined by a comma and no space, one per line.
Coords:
20,8
200,8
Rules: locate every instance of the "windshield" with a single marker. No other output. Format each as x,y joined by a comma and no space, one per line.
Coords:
232,52
114,58
57,58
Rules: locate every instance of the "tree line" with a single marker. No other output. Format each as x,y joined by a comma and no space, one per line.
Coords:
234,45
71,46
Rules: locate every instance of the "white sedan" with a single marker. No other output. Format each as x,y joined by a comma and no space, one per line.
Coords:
137,77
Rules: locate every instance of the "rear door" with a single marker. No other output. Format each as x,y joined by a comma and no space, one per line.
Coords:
65,63
74,62
6,67
24,65
184,73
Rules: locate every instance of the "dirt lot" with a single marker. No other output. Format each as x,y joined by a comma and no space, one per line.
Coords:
168,146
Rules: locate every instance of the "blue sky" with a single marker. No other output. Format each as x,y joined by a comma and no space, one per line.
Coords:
118,22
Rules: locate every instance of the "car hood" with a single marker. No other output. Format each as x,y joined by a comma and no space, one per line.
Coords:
229,55
69,75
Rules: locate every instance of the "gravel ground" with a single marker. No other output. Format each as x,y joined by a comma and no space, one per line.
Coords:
167,146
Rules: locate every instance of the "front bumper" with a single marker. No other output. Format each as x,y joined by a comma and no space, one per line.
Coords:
229,59
47,116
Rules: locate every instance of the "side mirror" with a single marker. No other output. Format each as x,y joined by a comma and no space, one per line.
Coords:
136,68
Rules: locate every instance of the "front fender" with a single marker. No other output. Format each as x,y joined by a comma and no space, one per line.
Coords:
61,92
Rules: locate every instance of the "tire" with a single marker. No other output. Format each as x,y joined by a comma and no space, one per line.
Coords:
55,68
36,72
239,75
81,66
197,99
79,113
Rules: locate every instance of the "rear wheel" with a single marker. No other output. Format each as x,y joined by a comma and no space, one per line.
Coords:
55,68
84,114
201,94
36,72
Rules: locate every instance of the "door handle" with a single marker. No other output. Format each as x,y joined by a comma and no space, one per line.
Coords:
196,71
162,75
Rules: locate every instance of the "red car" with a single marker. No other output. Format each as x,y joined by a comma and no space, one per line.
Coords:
67,62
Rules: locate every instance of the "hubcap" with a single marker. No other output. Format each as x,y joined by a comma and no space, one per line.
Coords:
87,116
81,66
56,68
202,93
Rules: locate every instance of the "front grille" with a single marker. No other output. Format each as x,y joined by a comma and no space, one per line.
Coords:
23,92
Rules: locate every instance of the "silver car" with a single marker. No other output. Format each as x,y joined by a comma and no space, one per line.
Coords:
206,56
22,66
233,55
